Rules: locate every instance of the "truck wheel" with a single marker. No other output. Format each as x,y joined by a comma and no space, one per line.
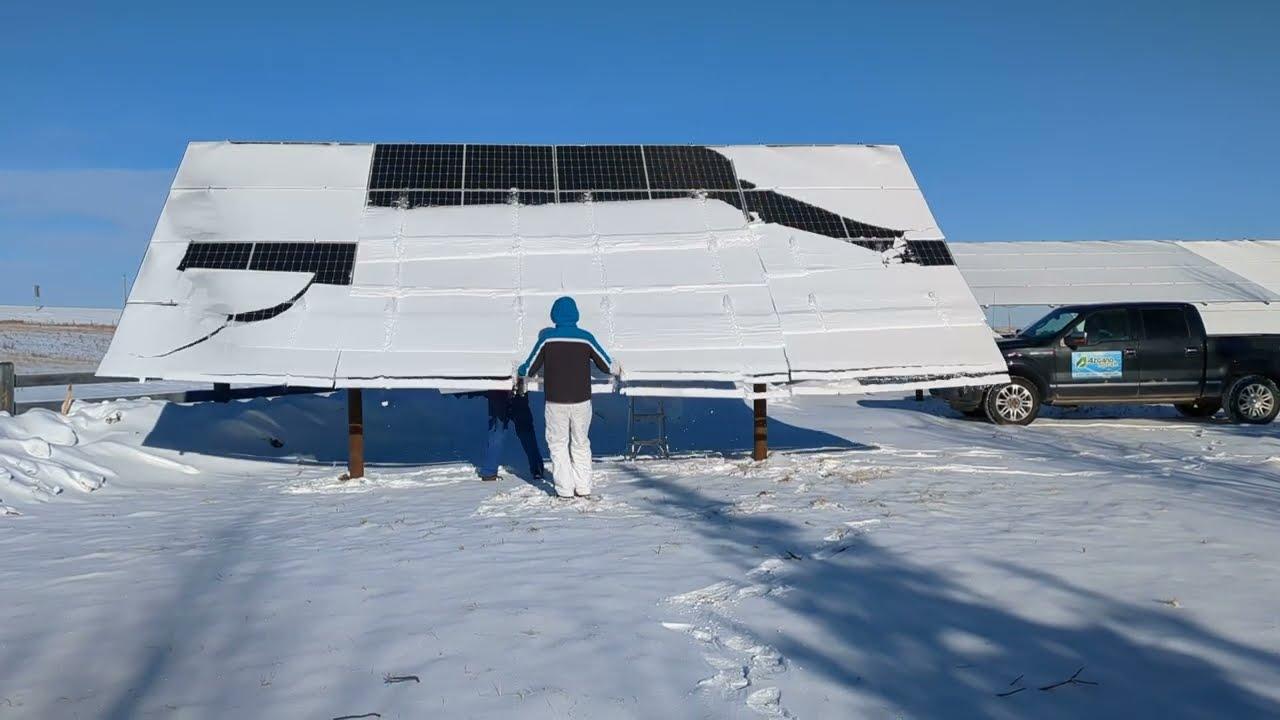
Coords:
1017,403
1199,408
1252,399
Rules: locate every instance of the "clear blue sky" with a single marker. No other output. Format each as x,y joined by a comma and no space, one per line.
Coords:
1021,120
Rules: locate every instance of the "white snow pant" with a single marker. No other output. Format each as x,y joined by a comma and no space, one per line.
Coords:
567,426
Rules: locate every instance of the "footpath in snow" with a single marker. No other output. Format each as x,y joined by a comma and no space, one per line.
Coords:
890,560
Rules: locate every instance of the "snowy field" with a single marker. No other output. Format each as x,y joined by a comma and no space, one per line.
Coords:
893,561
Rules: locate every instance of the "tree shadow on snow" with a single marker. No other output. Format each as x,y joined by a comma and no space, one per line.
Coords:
425,427
921,644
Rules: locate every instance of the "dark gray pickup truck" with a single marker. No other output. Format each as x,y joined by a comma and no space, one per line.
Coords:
1145,353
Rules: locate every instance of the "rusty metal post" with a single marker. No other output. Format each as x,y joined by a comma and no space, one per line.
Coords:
355,433
761,450
8,385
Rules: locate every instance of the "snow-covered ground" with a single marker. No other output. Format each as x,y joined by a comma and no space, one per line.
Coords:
49,315
893,561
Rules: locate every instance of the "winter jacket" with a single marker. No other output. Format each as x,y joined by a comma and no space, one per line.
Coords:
564,354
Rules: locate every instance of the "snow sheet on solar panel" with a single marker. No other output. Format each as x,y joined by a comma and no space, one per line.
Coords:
277,263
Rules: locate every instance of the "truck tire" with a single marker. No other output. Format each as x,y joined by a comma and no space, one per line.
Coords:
1017,403
1253,399
1199,408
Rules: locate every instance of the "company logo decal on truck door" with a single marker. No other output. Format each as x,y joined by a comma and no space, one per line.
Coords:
1097,365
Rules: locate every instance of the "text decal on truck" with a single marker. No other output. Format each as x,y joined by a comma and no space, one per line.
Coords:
1091,365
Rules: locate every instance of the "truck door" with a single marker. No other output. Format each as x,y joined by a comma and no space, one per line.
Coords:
1172,357
1098,359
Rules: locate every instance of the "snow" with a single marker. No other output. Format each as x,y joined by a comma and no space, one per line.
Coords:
46,315
891,560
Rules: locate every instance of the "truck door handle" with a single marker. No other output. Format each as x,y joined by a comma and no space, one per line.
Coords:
1130,352
1192,351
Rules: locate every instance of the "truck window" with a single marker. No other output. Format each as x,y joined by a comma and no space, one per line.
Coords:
1105,326
1049,325
1165,324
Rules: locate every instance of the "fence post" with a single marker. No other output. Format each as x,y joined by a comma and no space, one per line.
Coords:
355,433
761,449
8,385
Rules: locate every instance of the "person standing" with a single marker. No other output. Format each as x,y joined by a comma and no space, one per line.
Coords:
507,408
565,354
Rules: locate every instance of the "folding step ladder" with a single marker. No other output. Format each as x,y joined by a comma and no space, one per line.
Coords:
653,414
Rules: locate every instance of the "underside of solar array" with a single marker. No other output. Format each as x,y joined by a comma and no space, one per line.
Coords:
704,270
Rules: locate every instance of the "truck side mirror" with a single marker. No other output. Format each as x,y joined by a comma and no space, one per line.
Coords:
1076,340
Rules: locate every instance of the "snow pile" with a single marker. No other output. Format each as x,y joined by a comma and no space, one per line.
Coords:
44,454
39,458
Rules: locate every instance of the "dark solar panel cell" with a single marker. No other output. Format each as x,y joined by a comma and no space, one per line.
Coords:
669,194
507,197
416,167
688,167
929,252
603,196
877,245
600,167
776,208
863,230
264,314
332,263
733,197
414,198
502,167
216,256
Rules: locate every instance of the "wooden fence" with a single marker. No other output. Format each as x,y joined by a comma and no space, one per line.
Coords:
10,381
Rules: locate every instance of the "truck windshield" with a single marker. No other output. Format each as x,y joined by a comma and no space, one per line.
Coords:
1049,325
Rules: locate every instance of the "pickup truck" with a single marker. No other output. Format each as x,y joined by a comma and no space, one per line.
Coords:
1147,353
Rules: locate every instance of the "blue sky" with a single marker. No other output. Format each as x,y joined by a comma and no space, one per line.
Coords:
1021,120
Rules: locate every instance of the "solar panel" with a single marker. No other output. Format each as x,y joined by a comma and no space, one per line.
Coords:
332,263
600,167
503,167
603,195
930,252
416,167
688,167
415,198
773,207
216,256
508,197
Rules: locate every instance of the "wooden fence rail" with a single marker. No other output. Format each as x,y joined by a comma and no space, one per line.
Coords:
10,381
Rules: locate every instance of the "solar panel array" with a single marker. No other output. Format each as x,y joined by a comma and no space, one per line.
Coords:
412,175
331,263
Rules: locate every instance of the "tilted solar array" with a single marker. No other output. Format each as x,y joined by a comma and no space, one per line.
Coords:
1236,282
704,270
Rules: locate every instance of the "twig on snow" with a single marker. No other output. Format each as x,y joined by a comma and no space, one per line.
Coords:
357,717
389,679
1014,691
1073,680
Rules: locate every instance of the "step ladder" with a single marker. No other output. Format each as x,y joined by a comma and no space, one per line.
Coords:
647,427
